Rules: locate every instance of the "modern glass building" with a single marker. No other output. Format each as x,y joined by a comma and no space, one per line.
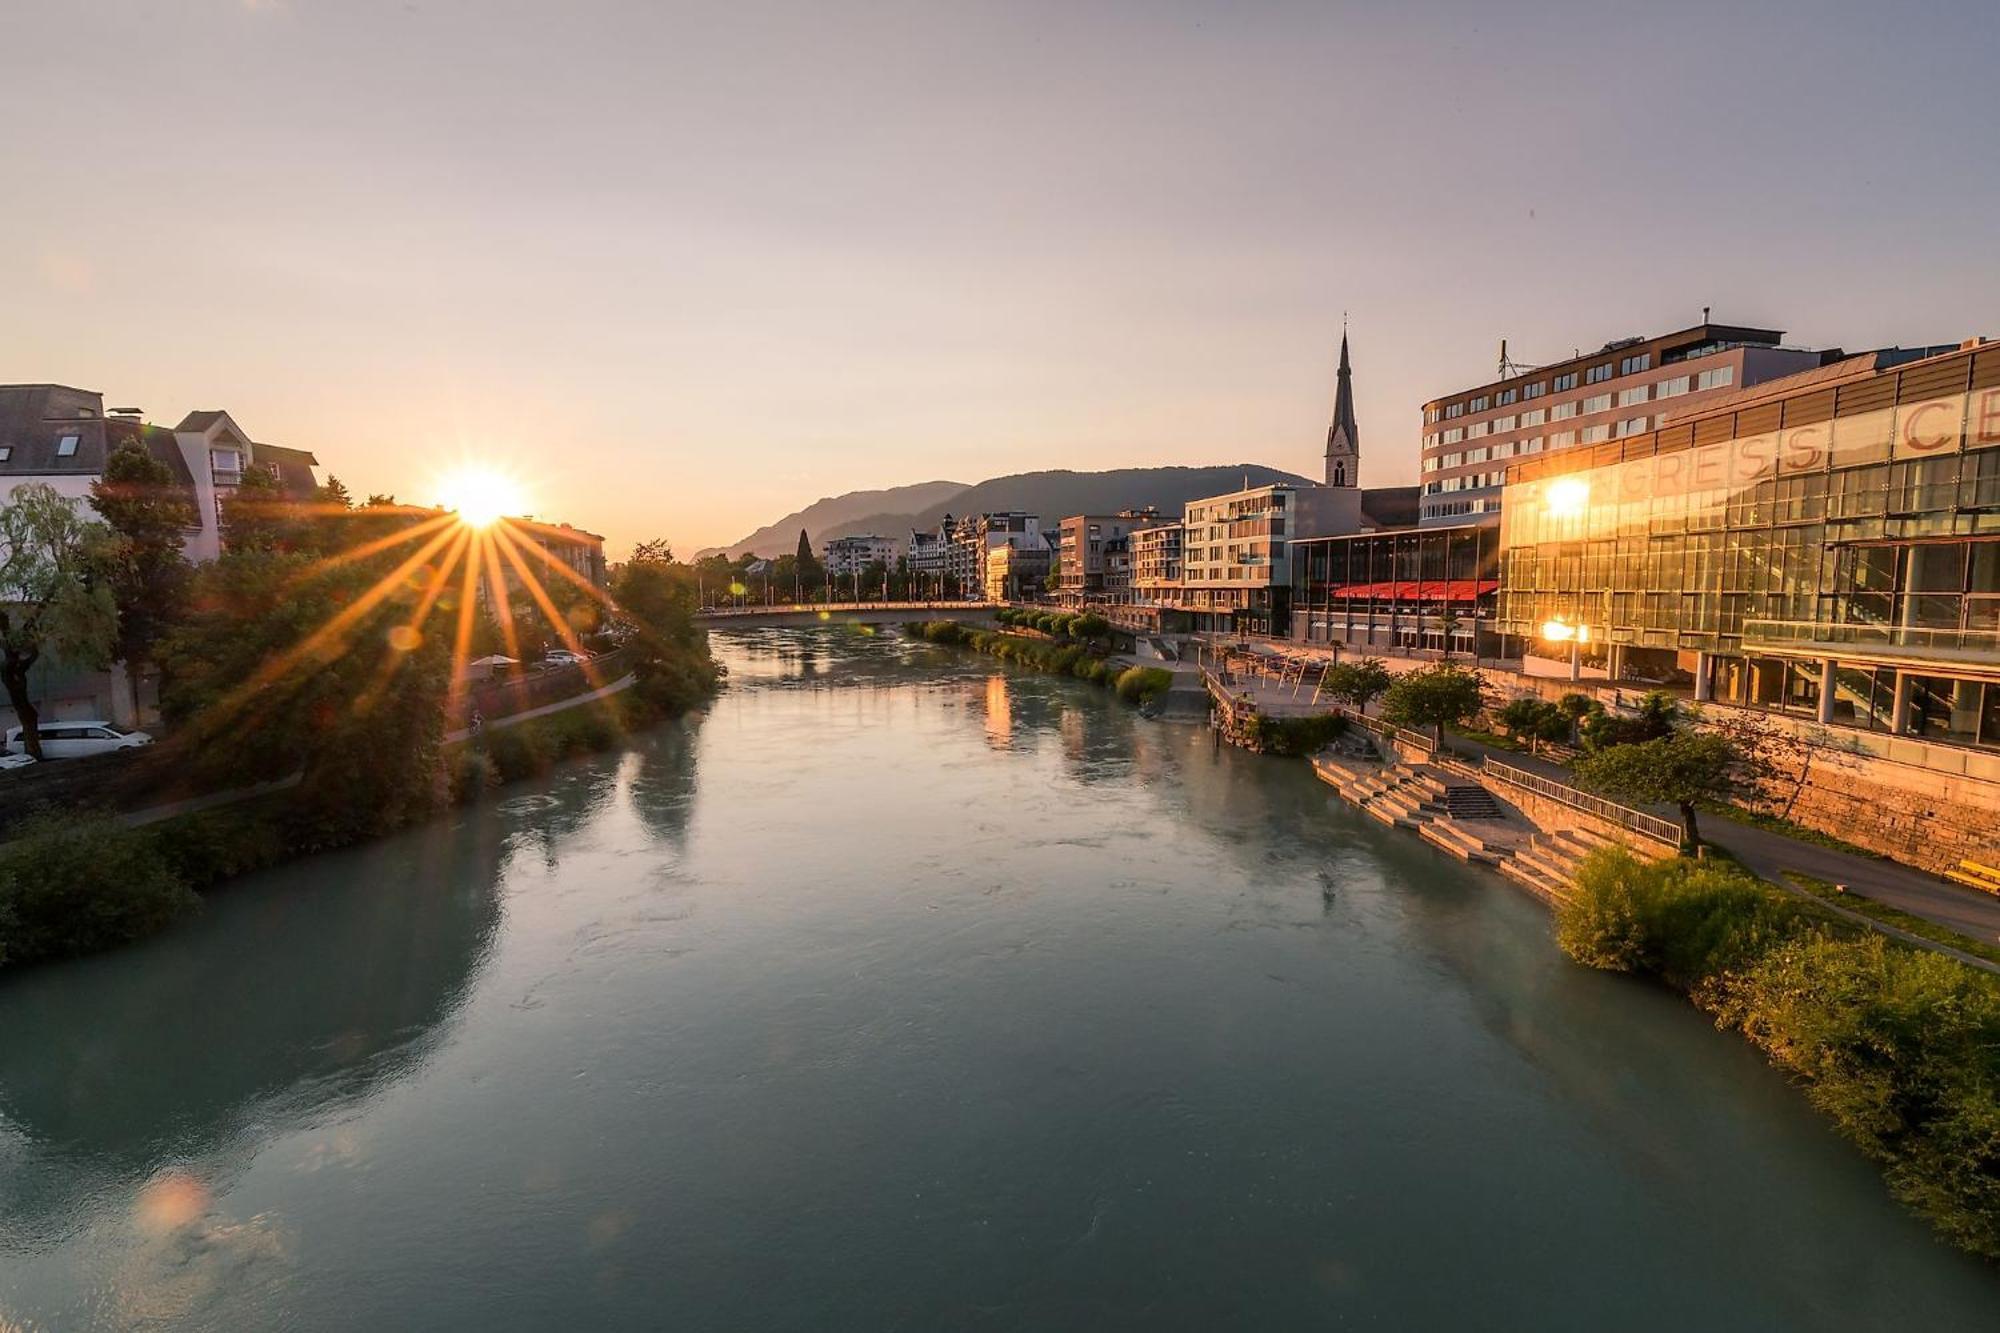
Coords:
1407,591
1826,544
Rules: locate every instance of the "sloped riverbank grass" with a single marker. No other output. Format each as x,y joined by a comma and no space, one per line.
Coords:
1898,1045
1135,684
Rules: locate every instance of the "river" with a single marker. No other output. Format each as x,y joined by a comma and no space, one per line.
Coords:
904,990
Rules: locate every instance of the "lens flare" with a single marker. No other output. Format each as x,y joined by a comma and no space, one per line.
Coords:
480,495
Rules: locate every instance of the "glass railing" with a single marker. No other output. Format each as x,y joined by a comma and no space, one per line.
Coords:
1810,633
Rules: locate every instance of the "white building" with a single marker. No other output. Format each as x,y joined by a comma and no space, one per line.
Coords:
844,556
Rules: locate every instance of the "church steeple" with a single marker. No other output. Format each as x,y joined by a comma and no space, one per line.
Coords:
1343,440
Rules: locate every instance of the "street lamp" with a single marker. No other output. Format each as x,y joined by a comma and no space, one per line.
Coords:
1558,630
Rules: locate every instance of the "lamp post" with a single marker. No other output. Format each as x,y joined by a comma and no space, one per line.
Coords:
1558,630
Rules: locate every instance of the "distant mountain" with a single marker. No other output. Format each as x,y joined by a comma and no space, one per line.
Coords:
1056,495
821,518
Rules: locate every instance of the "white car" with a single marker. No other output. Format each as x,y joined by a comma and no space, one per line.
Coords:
71,740
562,657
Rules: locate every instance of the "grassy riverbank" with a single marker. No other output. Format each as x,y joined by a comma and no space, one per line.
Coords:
1898,1045
1083,660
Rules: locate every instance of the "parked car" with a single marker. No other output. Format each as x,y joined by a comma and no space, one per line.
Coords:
8,761
71,740
562,657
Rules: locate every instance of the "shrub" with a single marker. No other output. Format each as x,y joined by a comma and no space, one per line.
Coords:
1142,685
1899,1046
71,886
1295,735
215,845
1086,628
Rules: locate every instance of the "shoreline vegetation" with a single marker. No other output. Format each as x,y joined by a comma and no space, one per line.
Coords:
1056,642
1898,1046
319,647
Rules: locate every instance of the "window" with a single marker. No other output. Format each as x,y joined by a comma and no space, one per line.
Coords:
1562,439
1535,390
1454,435
1632,365
1627,397
1478,404
1534,418
1597,374
1719,378
1672,388
1631,426
1565,381
1596,434
1431,463
1503,450
1477,429
1505,396
1562,411
1532,446
1453,460
1597,402
1430,416
66,446
1455,410
6,452
1503,423
1475,455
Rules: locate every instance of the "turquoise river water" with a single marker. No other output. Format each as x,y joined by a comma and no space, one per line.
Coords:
900,990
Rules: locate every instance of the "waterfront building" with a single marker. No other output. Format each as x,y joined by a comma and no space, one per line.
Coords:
1824,547
61,436
1090,547
1411,591
977,536
848,556
929,553
1623,389
1017,572
574,548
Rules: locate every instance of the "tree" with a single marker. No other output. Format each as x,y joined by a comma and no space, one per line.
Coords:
656,601
1437,697
148,575
1775,754
1680,770
1657,716
1358,682
53,596
1575,707
1534,720
1089,628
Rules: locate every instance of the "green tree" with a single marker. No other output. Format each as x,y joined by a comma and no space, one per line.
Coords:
1681,770
53,596
149,576
1358,682
1534,720
1437,697
656,598
1656,717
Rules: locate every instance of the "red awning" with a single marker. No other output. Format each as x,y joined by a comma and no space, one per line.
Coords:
1418,590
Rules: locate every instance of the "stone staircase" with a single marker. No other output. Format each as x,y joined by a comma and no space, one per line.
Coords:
1547,865
1406,796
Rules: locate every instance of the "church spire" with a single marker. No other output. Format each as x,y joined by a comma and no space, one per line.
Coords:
1343,440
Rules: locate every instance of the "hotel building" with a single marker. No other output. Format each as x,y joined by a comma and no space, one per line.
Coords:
1623,389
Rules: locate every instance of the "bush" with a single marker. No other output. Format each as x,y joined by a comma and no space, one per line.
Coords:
72,886
1143,685
1899,1046
1295,735
1655,719
215,845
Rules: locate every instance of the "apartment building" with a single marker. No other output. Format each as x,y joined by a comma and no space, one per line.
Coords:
1235,551
1623,389
847,556
1094,556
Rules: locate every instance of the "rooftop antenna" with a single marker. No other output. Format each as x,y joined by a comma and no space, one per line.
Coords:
1509,366
1704,314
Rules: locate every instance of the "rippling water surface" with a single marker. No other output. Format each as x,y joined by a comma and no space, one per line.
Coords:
905,991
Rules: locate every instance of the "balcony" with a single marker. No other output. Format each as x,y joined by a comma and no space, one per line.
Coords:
1889,642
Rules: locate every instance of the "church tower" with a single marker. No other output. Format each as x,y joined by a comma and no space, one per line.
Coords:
1343,441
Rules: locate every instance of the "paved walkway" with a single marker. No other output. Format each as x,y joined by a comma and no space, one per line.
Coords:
1770,855
515,719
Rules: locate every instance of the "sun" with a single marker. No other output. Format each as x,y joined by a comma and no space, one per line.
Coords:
480,495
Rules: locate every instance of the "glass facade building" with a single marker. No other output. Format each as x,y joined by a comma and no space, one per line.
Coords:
1827,544
1408,591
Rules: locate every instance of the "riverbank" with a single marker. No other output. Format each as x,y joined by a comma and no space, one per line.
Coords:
71,886
1132,683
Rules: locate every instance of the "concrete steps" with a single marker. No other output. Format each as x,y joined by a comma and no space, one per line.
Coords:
1547,865
1403,796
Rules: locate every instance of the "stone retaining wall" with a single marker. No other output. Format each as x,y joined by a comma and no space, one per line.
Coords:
1909,814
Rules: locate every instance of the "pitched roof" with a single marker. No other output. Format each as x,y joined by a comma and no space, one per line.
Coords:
35,419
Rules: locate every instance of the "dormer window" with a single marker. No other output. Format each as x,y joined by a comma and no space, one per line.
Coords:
227,465
66,446
6,452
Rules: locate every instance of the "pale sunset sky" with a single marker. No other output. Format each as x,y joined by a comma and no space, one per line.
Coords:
683,268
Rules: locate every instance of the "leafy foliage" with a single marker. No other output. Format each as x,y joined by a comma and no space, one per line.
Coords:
1358,682
1436,696
72,886
1899,1046
1657,716
1682,769
54,597
143,565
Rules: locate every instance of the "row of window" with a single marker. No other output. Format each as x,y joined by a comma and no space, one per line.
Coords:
1719,377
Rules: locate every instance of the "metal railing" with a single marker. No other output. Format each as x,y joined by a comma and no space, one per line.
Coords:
1863,634
1388,731
790,608
1638,821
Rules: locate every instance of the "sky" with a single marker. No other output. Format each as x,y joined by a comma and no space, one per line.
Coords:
685,268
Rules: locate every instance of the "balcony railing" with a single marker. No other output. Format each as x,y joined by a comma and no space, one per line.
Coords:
1879,636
